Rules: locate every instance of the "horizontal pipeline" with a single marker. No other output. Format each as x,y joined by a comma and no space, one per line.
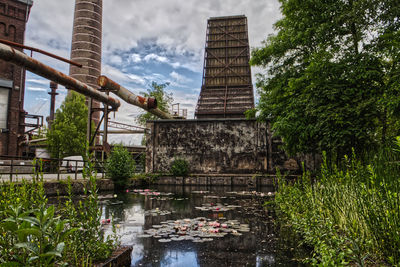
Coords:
18,58
149,104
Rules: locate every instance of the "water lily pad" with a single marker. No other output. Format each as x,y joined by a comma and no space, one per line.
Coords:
177,238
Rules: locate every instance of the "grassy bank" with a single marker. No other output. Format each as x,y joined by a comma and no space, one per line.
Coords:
348,214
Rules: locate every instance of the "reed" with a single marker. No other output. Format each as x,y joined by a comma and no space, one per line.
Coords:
349,214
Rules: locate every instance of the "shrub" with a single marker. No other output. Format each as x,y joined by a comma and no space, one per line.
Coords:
120,166
179,167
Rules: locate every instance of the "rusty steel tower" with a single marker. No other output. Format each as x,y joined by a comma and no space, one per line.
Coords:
86,47
227,90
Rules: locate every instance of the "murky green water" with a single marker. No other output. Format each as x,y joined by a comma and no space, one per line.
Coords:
261,245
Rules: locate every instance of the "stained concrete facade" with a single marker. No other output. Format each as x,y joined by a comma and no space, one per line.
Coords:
226,146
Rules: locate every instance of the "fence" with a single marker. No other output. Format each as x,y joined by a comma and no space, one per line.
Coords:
13,166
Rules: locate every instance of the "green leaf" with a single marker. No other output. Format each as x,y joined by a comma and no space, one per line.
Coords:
31,259
51,254
28,246
9,225
30,231
31,220
60,247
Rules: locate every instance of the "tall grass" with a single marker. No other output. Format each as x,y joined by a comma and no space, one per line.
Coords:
349,214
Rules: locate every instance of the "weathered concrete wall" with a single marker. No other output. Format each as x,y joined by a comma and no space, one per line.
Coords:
226,146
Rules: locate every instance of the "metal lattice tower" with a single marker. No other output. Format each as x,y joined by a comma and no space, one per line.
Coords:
227,90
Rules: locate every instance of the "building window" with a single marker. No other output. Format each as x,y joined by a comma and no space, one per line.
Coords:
4,95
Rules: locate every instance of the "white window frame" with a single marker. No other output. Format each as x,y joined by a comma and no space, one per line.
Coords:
5,91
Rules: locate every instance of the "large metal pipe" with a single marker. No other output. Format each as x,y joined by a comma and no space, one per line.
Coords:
149,104
18,58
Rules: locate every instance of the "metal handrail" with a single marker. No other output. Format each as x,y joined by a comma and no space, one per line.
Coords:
58,166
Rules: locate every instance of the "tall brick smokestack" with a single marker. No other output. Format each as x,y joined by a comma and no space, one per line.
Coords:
86,44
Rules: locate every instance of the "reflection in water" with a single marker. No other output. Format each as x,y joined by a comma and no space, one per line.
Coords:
259,247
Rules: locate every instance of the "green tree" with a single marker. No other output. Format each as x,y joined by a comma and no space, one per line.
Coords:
328,84
68,134
164,100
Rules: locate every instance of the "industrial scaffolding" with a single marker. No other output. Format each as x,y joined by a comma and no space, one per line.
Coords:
227,90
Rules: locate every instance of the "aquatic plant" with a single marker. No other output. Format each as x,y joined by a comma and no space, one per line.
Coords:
349,214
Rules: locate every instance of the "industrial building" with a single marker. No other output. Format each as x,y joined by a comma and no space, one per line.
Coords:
14,15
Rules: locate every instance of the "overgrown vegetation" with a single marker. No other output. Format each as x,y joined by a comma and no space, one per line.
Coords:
120,166
179,167
350,214
333,71
332,85
34,233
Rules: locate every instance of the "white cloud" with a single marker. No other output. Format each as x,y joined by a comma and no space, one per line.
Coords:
135,58
114,73
179,78
179,26
172,34
137,79
114,59
36,89
154,57
38,81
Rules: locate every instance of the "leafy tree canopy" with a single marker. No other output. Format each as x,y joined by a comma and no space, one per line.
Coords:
68,134
164,100
333,72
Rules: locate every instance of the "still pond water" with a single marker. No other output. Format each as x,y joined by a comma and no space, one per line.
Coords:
195,226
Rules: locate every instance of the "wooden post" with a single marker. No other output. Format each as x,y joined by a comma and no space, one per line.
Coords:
58,169
11,170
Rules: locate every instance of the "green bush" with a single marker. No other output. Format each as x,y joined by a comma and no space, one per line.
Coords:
179,167
120,166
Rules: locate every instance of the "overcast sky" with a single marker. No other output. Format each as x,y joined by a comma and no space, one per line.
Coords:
143,41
